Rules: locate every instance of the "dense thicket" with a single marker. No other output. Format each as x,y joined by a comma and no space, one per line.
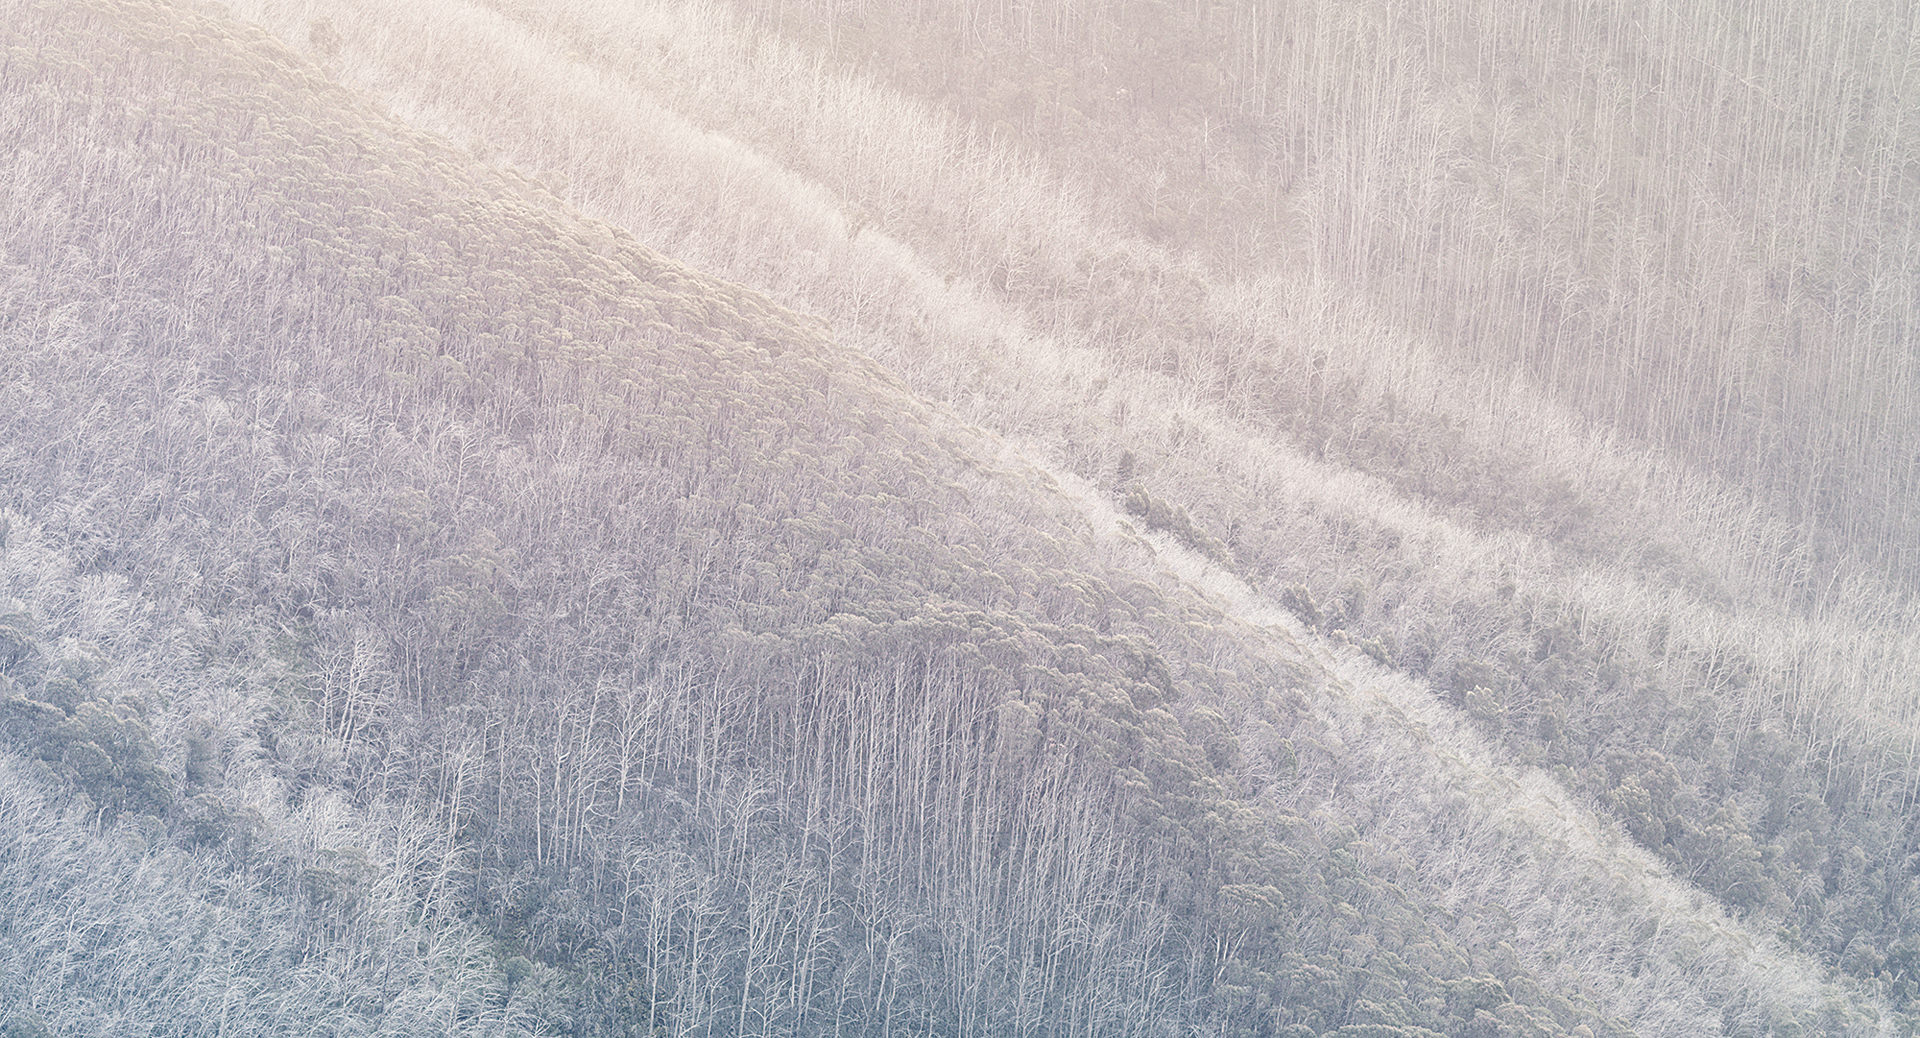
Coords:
1762,745
1691,224
1694,222
447,614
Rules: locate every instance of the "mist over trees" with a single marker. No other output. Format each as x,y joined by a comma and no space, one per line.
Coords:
1147,519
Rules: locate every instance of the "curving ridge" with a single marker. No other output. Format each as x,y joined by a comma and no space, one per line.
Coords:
598,642
1713,652
1478,836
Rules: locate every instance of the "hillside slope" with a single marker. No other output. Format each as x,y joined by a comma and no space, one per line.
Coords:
428,610
592,583
1691,222
1657,638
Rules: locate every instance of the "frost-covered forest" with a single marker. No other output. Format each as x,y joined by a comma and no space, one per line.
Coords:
747,517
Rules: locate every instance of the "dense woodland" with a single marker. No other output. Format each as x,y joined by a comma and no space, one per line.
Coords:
1190,519
1693,222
